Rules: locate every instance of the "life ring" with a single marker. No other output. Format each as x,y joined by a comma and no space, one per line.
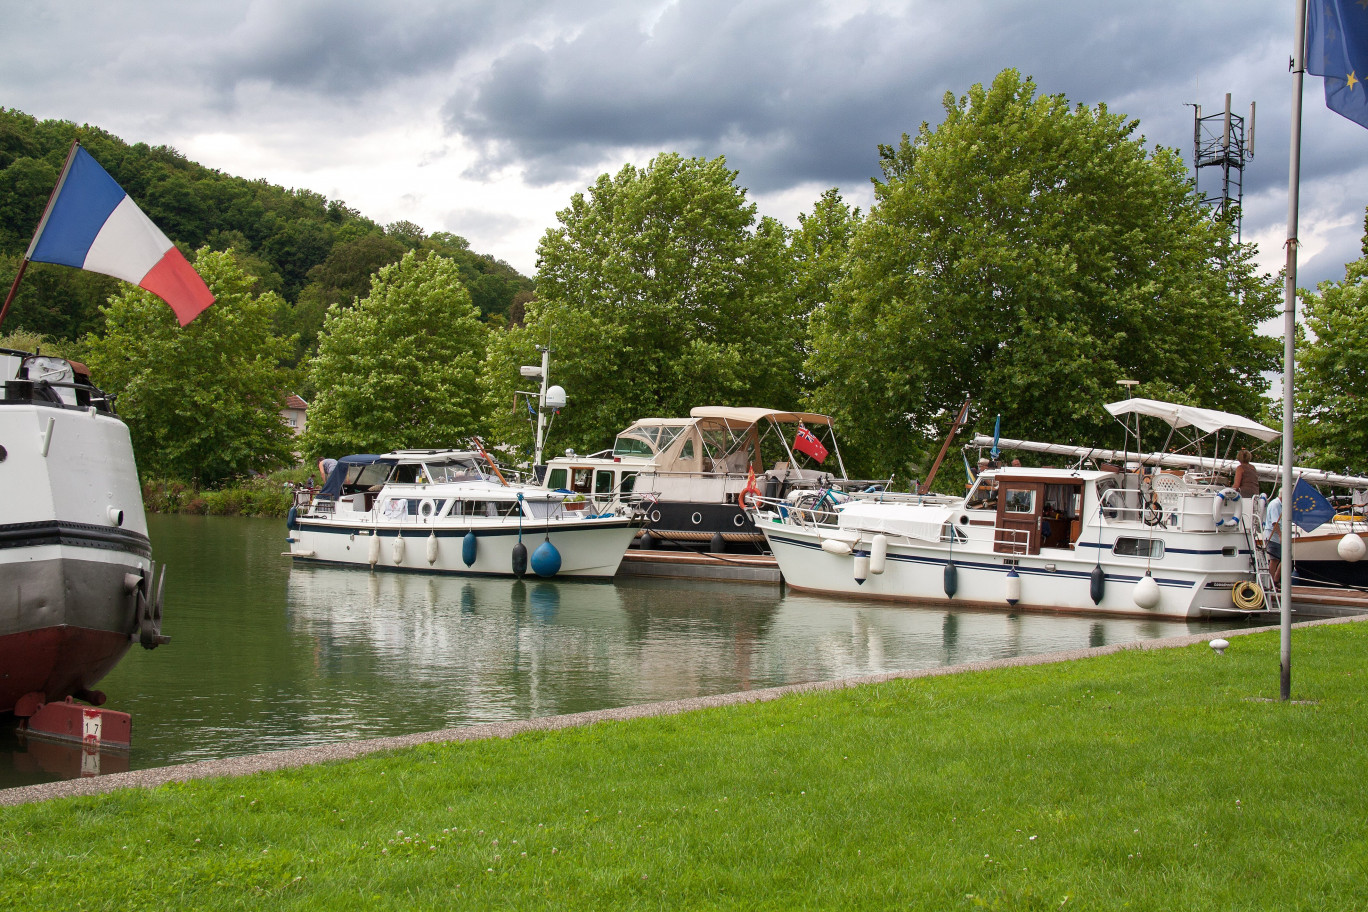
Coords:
427,508
750,497
1225,508
1248,596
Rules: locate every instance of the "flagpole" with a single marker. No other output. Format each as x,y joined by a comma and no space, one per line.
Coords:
37,232
1289,355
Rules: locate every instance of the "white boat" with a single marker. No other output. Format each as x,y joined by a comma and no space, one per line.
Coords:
1124,540
448,511
76,574
692,471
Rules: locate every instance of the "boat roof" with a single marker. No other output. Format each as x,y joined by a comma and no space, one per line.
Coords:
1029,473
1180,416
753,415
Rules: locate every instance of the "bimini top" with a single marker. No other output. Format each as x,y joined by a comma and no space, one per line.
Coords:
753,415
333,486
1180,416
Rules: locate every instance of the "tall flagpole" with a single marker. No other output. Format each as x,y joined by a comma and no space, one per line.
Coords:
1289,354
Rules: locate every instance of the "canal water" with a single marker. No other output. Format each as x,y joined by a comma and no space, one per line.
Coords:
265,656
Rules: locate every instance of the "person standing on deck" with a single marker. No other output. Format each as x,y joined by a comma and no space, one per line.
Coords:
1246,479
1273,536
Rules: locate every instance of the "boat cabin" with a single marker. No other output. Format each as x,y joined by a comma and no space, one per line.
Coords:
1027,511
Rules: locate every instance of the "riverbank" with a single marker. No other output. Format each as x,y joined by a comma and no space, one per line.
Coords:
260,495
1142,778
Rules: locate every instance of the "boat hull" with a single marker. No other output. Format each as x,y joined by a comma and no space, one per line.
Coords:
590,548
1053,580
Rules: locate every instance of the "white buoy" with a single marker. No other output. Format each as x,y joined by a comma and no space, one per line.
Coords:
373,551
1013,587
1147,593
432,548
835,546
398,549
878,553
1351,548
861,568
1219,645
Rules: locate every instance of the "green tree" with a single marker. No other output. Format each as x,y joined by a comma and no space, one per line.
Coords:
1028,254
1332,373
203,402
658,292
399,368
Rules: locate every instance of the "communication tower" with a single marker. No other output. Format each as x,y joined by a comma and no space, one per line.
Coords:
1224,141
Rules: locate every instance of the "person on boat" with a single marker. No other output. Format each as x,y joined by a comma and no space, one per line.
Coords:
325,467
1273,536
1246,478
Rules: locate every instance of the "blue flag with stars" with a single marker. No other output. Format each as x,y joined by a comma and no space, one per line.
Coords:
1337,48
1309,508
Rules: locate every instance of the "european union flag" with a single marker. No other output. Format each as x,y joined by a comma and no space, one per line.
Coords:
1309,508
1337,48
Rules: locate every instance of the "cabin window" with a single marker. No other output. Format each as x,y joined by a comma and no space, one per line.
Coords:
377,473
581,479
687,451
485,508
639,441
628,482
668,434
555,480
1019,500
603,481
408,474
1138,547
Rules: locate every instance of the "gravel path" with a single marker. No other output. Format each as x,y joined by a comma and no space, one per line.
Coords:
323,753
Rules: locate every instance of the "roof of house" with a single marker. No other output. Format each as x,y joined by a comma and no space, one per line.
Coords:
295,402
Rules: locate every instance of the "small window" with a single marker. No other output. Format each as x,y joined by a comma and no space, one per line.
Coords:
555,479
687,451
628,482
1018,500
603,481
580,480
1138,547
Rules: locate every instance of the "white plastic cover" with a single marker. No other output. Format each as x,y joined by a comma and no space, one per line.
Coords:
919,521
1179,416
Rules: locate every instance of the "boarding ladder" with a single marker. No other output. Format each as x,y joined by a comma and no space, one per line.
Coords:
1262,576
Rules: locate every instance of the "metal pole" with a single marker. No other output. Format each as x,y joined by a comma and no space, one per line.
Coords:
1289,353
541,405
14,289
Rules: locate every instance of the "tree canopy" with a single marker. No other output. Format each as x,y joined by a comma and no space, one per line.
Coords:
1332,373
659,291
1029,254
202,402
398,368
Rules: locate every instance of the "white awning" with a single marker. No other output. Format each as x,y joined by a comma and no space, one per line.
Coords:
749,416
1180,416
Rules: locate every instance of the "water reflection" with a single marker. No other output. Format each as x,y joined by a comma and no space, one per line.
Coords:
265,656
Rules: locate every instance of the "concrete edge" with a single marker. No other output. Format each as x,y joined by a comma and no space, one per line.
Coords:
325,753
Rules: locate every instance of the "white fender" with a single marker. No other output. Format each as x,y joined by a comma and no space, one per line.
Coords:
861,568
1013,587
1147,593
835,546
878,553
373,551
432,548
1351,548
399,549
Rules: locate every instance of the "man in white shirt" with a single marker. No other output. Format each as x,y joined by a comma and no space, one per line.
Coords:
1273,536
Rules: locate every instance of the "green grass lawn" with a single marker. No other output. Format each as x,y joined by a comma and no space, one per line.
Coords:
1163,780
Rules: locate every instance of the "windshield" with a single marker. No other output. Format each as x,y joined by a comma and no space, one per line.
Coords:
635,442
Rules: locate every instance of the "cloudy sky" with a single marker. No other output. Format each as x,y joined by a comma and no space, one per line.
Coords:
482,118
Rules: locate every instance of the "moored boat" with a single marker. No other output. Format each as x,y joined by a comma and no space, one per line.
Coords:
449,511
77,582
1125,540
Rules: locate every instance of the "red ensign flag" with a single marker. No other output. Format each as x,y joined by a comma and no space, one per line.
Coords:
806,442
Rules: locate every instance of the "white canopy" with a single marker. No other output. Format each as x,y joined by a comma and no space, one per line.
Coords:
753,415
1180,416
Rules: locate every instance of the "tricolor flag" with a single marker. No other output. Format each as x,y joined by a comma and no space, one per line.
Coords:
91,223
806,442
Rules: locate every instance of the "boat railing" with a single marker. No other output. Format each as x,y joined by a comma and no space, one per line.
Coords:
1169,502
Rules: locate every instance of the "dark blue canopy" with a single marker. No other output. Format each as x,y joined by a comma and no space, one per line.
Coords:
333,486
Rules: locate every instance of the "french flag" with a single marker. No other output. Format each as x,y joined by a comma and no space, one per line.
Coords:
91,223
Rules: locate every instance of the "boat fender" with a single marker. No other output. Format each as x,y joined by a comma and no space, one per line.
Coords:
1247,596
1097,584
718,543
398,549
432,548
1013,586
520,560
292,518
951,579
468,545
878,553
861,567
835,546
1351,548
1147,591
1225,508
546,560
373,550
